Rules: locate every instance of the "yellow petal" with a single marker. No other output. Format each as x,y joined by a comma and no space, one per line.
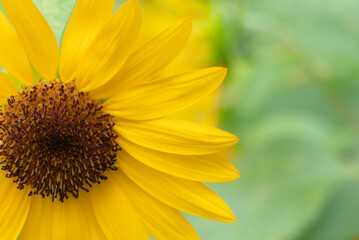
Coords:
7,87
110,48
12,55
162,222
14,208
176,136
96,232
39,221
87,19
5,185
147,60
115,214
35,35
162,97
69,220
184,195
202,168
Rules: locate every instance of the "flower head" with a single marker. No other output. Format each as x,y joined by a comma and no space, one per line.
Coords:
89,151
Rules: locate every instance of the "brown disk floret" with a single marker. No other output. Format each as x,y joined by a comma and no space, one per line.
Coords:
56,140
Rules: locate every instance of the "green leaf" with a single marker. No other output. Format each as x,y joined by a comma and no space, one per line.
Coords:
340,218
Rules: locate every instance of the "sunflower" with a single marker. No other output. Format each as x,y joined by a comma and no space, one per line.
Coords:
89,152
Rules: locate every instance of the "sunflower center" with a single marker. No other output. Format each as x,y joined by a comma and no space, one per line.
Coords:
56,140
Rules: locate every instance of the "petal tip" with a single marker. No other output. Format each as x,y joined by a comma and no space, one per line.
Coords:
232,176
228,218
134,2
134,5
233,139
222,70
236,174
231,218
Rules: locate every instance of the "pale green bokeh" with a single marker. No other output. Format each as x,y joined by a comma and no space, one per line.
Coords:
292,98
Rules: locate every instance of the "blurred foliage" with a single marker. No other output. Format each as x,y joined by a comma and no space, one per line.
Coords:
341,212
292,98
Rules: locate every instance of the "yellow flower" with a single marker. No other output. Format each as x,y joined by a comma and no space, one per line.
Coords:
197,53
92,144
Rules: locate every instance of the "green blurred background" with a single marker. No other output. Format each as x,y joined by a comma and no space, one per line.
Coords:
292,97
